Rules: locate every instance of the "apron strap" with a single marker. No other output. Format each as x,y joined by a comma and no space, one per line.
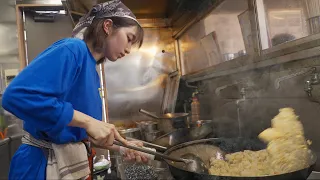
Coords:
91,155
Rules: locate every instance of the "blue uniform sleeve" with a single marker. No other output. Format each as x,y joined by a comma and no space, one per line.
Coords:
35,94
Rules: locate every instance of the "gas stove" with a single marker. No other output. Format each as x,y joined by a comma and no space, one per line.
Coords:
113,175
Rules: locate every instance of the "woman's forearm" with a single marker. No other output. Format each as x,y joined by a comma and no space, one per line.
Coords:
80,119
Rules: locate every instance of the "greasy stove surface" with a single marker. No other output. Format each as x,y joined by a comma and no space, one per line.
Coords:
113,176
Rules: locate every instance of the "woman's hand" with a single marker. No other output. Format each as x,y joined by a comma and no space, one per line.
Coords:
103,135
128,154
132,155
100,133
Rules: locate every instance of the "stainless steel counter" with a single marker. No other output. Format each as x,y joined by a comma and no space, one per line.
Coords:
314,175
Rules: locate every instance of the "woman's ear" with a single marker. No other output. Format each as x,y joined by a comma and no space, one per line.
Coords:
107,26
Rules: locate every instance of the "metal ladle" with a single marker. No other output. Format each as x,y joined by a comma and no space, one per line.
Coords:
192,162
152,115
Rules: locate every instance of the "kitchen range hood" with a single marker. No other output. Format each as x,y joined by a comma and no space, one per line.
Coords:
159,13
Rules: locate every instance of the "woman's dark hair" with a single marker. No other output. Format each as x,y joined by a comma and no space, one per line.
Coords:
96,35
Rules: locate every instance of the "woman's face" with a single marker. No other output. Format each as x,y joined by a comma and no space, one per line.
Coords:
119,41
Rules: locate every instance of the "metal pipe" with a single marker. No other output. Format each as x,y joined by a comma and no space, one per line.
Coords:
103,95
190,86
242,99
68,10
178,56
25,36
218,89
149,114
283,78
173,74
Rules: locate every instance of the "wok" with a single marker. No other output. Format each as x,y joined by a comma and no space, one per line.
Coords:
228,145
184,135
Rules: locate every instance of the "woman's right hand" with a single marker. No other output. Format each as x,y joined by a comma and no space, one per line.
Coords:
100,133
103,134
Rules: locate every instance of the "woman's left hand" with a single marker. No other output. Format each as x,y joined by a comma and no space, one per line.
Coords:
132,155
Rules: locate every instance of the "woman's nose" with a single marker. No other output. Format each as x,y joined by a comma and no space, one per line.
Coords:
127,50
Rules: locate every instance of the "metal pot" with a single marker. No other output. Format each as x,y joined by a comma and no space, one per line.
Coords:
132,132
184,135
151,136
200,123
168,122
147,126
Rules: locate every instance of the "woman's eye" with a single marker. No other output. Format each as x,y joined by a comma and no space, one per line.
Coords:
129,40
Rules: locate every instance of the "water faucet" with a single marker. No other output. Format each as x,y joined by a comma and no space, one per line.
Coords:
242,96
308,88
243,93
314,80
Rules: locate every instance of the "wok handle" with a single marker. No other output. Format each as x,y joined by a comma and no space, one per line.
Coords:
149,152
148,114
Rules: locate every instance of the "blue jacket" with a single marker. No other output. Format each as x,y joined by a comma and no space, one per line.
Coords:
61,79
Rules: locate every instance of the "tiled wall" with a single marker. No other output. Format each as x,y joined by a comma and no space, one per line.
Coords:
262,102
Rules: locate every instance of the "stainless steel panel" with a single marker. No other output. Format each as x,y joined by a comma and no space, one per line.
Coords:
8,40
139,79
7,11
171,92
11,61
41,35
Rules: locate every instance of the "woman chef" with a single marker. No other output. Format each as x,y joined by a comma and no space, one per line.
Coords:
57,96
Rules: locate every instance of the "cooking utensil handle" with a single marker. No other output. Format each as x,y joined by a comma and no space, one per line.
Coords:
148,114
149,152
147,143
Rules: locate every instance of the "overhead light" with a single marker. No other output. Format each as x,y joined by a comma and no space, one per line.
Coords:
276,17
51,12
54,2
